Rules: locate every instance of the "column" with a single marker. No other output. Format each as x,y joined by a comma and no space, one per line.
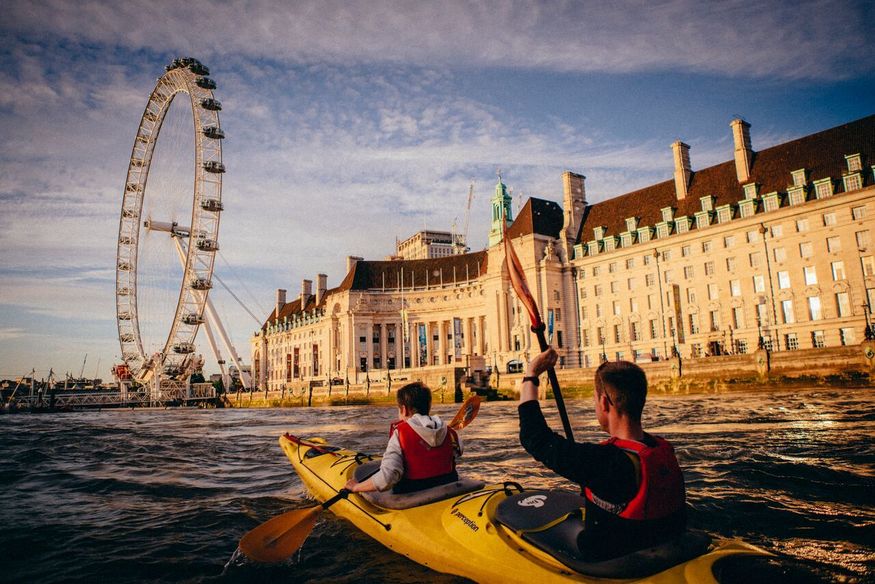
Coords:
384,345
442,342
429,343
369,343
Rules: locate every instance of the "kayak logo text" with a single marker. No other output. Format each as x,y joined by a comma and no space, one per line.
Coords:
466,520
533,501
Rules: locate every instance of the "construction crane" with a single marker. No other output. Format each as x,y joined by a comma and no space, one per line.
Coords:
468,213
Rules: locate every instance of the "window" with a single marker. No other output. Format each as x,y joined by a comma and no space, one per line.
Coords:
662,230
633,305
823,188
632,283
806,249
647,259
616,306
636,332
669,276
653,328
814,310
829,219
777,230
747,207
667,213
862,239
833,244
612,267
617,337
715,320
780,254
630,263
846,336
666,255
650,279
735,287
796,195
694,324
597,290
696,350
685,251
852,182
756,259
585,338
783,280
598,310
740,346
858,213
787,312
817,339
838,270
750,191
596,271
583,313
738,317
854,162
709,268
759,283
729,241
771,202
810,275
791,341
730,264
801,225
615,287
753,236
688,272
868,263
724,214
706,246
798,177
843,304
762,315
691,295
713,292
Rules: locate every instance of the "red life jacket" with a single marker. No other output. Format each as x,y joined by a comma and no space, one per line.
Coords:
422,461
661,490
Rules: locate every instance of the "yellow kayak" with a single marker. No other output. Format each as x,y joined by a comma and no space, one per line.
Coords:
498,533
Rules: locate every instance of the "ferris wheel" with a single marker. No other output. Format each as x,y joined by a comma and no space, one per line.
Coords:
196,243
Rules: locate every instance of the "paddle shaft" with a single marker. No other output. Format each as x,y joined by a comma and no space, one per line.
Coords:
554,383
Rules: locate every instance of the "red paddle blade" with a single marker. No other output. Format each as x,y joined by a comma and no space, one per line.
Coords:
518,280
466,413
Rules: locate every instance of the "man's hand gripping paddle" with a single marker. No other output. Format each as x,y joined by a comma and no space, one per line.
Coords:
278,538
521,287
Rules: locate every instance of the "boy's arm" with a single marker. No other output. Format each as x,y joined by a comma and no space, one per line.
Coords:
391,470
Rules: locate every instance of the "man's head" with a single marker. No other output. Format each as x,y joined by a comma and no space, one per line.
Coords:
415,397
624,385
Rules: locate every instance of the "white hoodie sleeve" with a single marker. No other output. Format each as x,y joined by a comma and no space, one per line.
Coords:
391,467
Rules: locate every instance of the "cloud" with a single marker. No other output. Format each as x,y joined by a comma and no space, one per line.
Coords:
740,38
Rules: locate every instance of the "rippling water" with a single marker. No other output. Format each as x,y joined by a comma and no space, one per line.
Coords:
165,495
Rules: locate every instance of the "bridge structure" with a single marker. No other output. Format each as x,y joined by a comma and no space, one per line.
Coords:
170,394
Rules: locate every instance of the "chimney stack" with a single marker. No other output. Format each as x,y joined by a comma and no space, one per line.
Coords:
280,301
351,261
306,292
682,169
573,201
743,150
321,287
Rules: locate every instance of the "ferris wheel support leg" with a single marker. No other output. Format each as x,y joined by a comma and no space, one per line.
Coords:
211,315
226,378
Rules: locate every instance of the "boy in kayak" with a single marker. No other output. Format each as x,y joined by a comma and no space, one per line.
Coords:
422,450
632,482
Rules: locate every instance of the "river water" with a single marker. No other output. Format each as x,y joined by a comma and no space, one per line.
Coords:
165,495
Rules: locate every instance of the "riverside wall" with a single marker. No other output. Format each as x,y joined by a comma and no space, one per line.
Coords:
848,366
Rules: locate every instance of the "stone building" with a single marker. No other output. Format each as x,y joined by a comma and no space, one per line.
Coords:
771,248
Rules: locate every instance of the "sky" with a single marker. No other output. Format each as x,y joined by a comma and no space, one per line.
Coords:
351,124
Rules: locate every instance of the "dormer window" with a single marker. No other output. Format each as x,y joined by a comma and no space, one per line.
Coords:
645,234
663,229
823,188
631,223
682,224
667,213
853,182
578,251
854,162
703,219
599,232
724,214
796,195
747,208
750,191
707,203
771,201
592,247
798,177
626,239
610,243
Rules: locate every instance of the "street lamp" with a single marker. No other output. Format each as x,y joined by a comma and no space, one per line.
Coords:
869,332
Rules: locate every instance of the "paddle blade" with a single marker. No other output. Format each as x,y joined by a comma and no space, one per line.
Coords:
466,413
280,537
518,280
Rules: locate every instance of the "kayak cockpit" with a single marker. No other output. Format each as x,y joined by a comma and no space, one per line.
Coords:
389,500
552,521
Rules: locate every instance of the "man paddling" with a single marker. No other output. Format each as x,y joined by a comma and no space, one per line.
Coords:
632,482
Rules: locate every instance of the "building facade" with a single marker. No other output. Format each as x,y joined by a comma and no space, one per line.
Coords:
771,248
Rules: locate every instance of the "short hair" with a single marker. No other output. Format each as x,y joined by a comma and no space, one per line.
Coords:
416,396
627,384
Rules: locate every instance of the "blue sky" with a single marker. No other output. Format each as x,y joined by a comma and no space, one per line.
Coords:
351,123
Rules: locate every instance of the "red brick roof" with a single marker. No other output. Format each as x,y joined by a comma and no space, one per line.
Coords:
821,155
